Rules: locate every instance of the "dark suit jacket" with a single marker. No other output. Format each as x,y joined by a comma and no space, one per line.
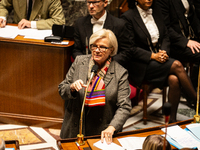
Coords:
197,7
141,36
97,119
173,12
83,29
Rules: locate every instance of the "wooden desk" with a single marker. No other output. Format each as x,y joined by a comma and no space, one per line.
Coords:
69,144
30,72
12,144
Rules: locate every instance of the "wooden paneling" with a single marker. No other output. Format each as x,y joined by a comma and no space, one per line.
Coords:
30,74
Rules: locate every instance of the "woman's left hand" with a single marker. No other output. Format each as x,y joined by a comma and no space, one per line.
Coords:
107,134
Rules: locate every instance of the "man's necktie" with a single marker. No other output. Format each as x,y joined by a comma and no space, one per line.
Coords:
94,21
29,9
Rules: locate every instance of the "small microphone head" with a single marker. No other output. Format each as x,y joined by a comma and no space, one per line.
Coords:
94,69
167,109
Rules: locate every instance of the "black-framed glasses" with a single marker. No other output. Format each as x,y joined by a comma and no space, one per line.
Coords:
94,3
101,48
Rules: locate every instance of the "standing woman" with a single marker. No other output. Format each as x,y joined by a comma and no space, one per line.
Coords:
152,63
108,104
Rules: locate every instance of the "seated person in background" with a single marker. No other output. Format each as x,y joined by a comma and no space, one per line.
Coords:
184,32
32,13
108,114
97,19
197,7
2,144
155,142
151,40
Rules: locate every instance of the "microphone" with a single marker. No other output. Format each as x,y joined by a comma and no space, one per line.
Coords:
166,111
93,72
80,136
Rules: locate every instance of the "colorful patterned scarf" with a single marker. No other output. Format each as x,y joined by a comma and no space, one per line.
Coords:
96,91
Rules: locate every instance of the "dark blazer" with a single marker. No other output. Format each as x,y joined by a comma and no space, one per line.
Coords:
197,7
173,12
143,44
83,29
97,119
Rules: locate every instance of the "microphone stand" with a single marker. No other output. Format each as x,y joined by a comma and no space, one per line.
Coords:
166,125
197,117
80,136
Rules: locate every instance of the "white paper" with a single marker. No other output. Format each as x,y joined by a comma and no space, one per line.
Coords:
35,33
105,146
9,32
132,143
12,31
181,136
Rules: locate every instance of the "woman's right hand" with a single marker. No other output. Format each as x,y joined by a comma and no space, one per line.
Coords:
77,85
161,56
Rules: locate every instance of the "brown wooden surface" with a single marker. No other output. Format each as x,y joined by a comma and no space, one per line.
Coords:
12,144
69,144
31,71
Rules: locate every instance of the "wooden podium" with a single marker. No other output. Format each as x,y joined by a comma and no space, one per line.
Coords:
30,72
69,144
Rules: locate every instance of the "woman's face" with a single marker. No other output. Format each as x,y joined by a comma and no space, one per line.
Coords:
101,51
145,4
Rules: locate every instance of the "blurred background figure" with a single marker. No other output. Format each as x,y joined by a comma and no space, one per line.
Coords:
152,63
32,13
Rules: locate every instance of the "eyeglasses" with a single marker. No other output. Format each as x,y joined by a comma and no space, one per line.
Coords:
94,3
94,47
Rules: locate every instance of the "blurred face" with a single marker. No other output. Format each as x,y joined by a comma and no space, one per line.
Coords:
101,51
96,8
145,4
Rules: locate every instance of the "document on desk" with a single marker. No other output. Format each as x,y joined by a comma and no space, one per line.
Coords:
181,136
132,143
12,31
195,129
35,33
105,146
9,32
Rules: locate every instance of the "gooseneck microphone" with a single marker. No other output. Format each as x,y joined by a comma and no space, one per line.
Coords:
80,136
166,111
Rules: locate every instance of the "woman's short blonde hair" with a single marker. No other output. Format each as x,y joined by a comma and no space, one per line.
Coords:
155,142
105,33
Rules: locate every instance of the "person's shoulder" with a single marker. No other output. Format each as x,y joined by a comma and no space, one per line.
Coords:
128,14
82,58
83,19
116,21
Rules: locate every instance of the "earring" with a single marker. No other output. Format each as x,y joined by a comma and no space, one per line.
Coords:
136,2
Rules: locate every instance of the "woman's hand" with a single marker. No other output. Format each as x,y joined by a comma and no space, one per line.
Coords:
107,134
161,56
77,85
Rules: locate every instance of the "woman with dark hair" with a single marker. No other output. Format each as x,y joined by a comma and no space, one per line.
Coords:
148,31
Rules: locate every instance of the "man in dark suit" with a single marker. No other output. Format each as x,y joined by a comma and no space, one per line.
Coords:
184,29
99,18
